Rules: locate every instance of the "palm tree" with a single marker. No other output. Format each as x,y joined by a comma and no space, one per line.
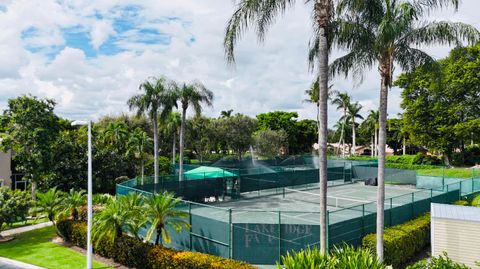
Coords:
115,134
108,223
312,94
132,204
49,202
353,113
137,145
387,32
342,101
194,94
156,95
172,125
161,211
226,113
73,202
372,127
262,14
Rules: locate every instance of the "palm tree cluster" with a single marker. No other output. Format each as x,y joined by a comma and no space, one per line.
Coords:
59,205
133,212
158,98
381,33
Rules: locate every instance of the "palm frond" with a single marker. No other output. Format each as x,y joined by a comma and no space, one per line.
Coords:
442,33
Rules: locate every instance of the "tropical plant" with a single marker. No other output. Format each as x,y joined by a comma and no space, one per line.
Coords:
372,127
476,201
108,223
307,258
138,144
161,211
386,32
115,134
440,262
49,202
132,205
73,201
156,96
342,101
353,112
14,205
172,125
262,14
194,94
226,113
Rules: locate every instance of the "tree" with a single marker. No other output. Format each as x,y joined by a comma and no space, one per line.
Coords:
194,95
268,142
263,14
137,146
161,211
281,120
31,128
395,135
199,133
73,201
386,33
108,223
371,128
14,205
353,111
172,125
238,133
156,96
312,94
226,113
116,134
49,202
441,105
342,101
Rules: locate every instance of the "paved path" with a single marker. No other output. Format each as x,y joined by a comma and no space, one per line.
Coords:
26,229
11,264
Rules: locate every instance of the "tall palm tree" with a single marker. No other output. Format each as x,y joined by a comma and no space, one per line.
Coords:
116,134
156,96
137,145
353,111
161,211
172,125
194,94
385,33
73,202
312,94
342,101
262,14
372,127
226,113
49,202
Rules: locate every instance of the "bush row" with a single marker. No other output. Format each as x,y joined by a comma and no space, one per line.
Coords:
402,242
132,252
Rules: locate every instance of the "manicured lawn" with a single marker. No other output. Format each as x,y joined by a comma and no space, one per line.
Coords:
23,223
35,247
449,172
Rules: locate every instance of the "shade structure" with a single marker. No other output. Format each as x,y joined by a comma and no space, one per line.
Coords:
207,172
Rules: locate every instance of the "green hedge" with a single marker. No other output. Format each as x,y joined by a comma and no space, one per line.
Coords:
402,242
132,252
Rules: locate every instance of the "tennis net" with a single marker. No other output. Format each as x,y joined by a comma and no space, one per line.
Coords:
310,196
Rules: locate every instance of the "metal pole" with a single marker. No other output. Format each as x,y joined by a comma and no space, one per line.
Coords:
279,236
89,211
230,233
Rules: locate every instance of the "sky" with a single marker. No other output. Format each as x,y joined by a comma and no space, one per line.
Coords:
90,56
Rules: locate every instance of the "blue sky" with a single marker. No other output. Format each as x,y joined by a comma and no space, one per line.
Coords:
90,56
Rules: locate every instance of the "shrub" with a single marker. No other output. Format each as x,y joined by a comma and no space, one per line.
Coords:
402,242
308,258
476,201
442,262
132,252
461,202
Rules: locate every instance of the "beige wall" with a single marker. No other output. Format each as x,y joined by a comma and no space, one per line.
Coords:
5,169
459,238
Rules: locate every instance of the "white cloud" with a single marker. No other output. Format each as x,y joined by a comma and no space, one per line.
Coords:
269,76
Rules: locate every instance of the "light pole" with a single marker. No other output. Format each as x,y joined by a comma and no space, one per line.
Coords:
89,191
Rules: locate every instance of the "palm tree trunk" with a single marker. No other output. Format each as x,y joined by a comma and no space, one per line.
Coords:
340,142
155,146
376,143
322,12
354,148
343,128
34,189
182,135
371,147
174,146
381,166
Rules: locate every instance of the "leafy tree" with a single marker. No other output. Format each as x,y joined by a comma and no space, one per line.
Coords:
307,135
385,33
14,205
31,129
395,135
194,95
280,120
161,211
262,14
199,133
156,98
269,142
49,202
238,133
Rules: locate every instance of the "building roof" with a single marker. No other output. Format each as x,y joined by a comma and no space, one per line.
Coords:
456,212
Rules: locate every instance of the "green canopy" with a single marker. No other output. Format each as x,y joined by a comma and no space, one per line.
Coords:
207,172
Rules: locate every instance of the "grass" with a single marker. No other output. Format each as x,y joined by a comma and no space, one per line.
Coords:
448,172
27,223
35,247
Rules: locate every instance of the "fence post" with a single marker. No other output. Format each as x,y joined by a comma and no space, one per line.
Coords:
279,236
190,222
363,220
413,205
230,234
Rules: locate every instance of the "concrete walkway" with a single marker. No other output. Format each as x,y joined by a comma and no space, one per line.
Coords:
26,228
11,264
